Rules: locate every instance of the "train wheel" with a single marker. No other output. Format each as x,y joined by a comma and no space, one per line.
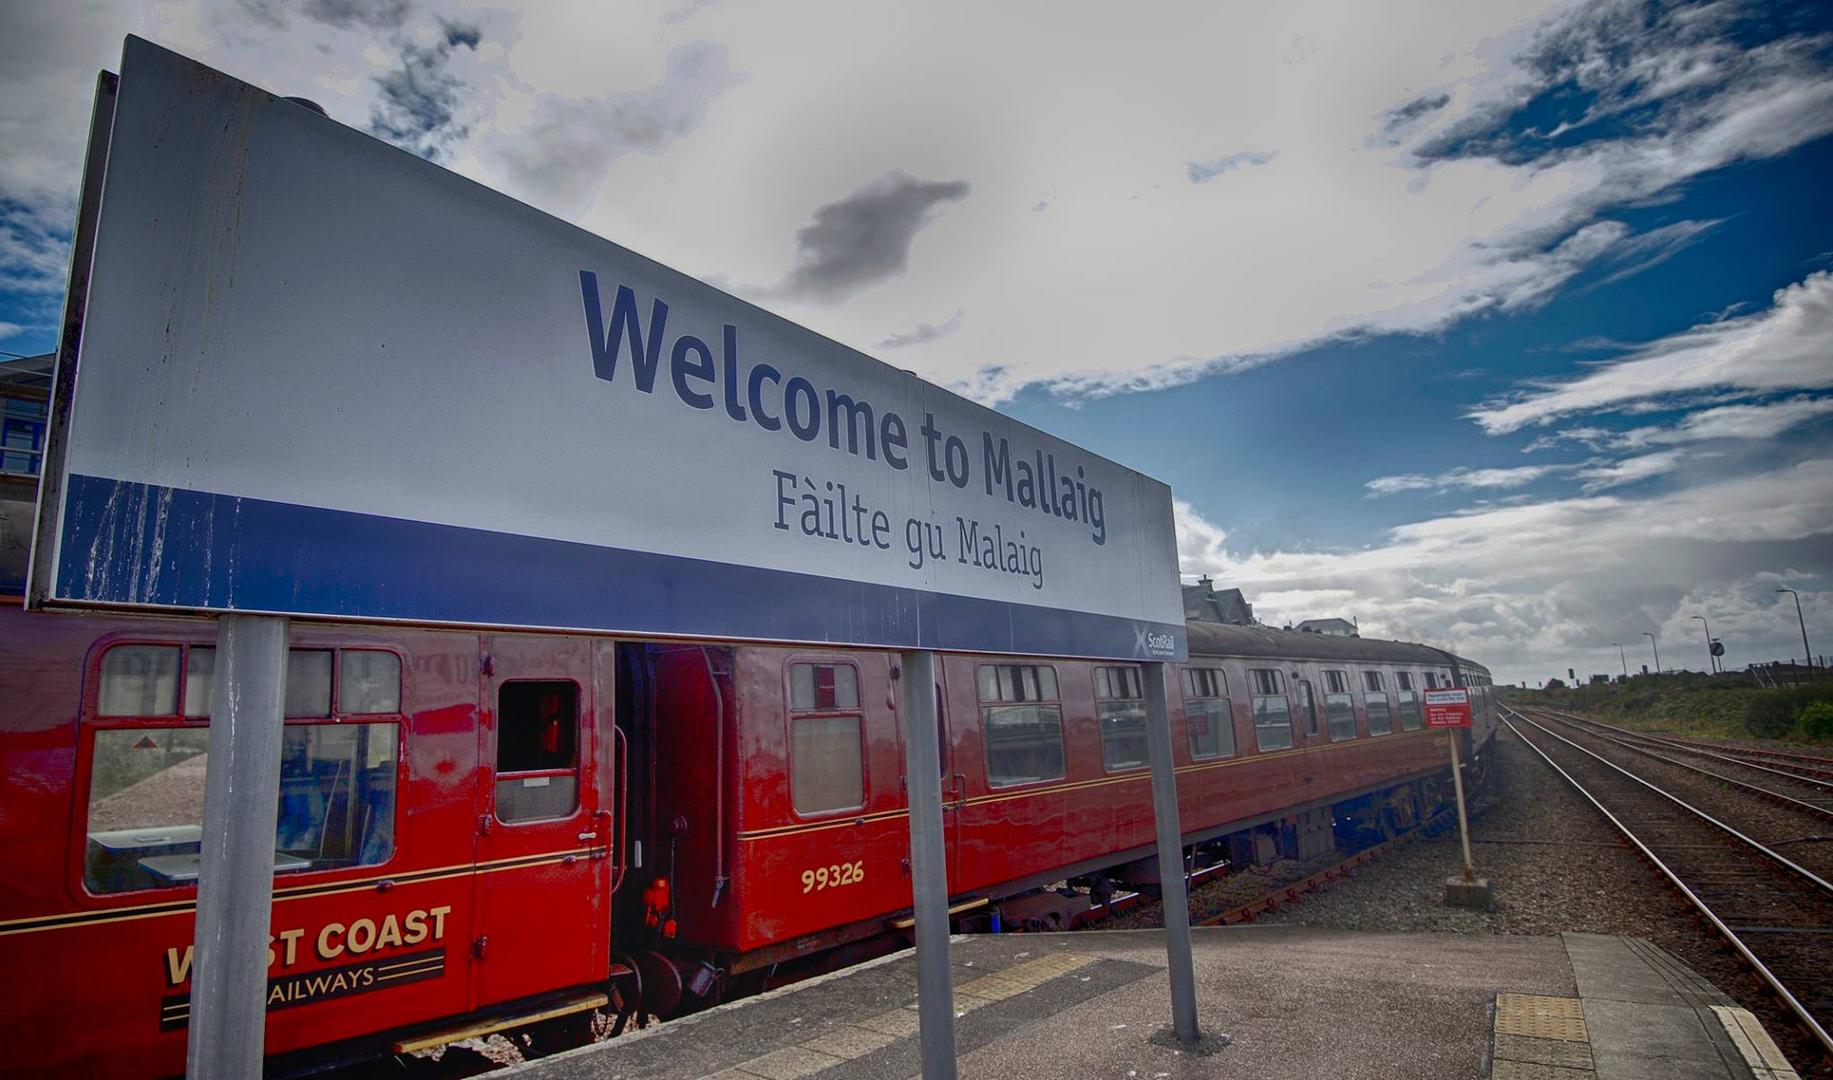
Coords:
553,1036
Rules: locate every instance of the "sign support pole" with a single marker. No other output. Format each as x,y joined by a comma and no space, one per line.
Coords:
235,883
928,863
1463,822
1174,901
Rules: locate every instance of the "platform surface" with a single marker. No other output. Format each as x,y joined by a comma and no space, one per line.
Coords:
1294,1001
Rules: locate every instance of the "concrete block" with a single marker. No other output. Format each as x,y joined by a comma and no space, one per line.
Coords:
1469,894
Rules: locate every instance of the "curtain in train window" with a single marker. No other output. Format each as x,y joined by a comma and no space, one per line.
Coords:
826,754
537,750
146,802
1209,720
1120,707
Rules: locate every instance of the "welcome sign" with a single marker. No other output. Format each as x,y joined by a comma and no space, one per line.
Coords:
318,376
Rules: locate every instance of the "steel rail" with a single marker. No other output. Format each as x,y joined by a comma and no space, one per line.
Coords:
1806,761
1802,1016
1686,748
1767,793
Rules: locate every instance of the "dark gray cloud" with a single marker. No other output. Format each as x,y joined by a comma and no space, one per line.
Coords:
864,238
418,104
923,332
346,14
561,159
1413,110
379,14
1202,172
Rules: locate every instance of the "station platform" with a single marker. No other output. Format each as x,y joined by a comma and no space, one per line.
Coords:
1294,1002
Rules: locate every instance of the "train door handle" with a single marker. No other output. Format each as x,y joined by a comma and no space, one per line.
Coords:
588,836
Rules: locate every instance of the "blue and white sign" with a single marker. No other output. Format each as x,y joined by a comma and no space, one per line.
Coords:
319,376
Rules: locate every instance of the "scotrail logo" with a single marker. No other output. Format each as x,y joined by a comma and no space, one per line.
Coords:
1147,643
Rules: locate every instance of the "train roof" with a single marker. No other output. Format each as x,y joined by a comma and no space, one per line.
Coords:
1226,639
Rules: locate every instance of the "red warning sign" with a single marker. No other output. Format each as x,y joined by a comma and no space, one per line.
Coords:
1447,708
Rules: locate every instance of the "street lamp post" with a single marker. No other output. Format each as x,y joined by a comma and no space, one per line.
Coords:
1711,661
1624,657
1805,651
1657,648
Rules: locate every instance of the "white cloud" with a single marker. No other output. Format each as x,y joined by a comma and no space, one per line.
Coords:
1785,347
1532,588
1764,421
1630,470
1461,478
1397,202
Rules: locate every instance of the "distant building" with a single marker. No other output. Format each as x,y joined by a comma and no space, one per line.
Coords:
1333,627
1202,603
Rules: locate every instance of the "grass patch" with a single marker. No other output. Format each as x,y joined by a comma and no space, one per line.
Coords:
1723,706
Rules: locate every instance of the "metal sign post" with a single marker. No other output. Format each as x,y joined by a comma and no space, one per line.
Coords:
1449,708
928,863
235,878
1463,821
1174,902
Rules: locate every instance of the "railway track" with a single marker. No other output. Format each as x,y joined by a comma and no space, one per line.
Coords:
1800,764
1774,913
1804,793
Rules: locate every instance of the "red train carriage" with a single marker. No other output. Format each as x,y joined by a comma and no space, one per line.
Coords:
480,831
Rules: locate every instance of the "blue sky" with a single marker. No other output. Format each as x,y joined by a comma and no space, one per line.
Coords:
1508,328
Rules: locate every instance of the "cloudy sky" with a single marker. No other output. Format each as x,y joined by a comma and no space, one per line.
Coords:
1504,327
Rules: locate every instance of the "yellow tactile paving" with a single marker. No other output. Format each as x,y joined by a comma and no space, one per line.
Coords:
1540,1017
896,1023
849,1041
788,1063
1523,1070
861,1037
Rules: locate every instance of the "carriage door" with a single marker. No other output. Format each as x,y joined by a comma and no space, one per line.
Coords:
542,872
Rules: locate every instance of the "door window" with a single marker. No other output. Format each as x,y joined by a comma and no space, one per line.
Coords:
537,750
826,756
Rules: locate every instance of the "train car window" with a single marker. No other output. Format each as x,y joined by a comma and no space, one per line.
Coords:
1022,723
146,802
1408,701
308,683
1307,706
537,750
1374,701
826,753
1209,719
139,680
1339,706
368,682
1120,704
1272,712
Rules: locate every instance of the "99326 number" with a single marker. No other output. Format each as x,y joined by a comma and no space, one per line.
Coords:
833,876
